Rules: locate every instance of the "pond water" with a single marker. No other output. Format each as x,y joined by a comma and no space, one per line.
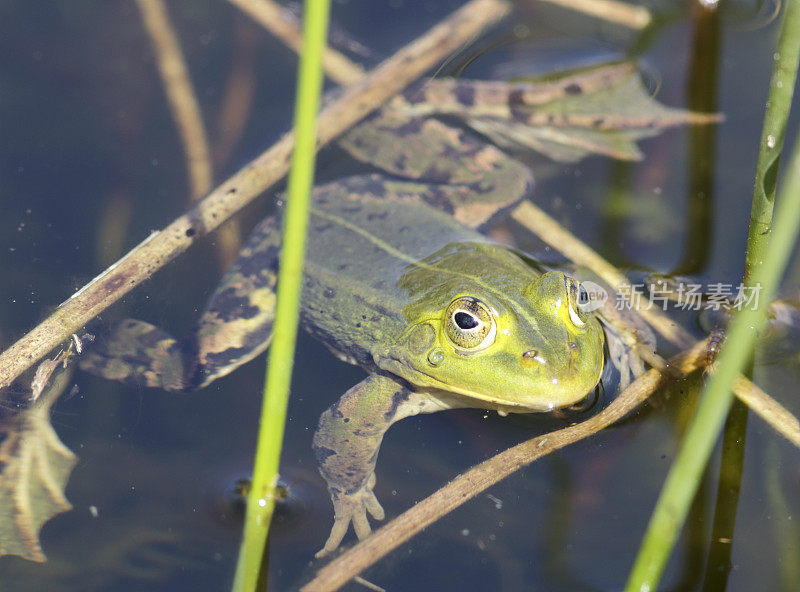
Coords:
91,163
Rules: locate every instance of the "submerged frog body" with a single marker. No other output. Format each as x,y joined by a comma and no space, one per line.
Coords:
398,281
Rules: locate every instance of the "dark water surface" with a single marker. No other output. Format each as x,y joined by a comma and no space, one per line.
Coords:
90,163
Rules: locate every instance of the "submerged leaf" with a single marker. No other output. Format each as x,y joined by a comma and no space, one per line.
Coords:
34,469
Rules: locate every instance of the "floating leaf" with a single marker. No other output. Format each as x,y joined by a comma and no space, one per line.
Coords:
34,469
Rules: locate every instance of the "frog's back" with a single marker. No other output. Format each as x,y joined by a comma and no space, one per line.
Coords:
368,229
364,233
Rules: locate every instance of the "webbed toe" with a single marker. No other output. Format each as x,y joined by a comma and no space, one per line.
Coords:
353,507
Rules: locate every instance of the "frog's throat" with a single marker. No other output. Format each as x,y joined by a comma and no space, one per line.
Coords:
425,381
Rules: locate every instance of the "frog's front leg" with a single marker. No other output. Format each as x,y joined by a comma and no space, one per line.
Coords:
347,442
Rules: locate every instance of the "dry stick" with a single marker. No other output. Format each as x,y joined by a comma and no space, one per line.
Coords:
231,196
240,87
281,23
621,13
234,111
185,111
180,95
768,409
489,472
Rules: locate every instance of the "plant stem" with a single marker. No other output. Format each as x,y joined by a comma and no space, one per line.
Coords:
181,98
282,24
771,258
781,89
718,563
261,497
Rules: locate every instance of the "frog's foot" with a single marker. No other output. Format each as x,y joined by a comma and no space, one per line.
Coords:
353,507
138,353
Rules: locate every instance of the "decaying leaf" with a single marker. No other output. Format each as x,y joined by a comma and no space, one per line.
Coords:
34,469
603,111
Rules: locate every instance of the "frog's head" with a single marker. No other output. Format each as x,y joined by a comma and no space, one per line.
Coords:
534,350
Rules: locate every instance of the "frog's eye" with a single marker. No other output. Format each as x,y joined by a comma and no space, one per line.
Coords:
469,324
577,295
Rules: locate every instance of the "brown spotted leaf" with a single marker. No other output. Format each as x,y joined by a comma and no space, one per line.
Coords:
34,469
604,111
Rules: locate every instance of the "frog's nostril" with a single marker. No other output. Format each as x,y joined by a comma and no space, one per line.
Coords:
533,354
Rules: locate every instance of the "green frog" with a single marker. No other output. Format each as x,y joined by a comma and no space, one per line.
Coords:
398,280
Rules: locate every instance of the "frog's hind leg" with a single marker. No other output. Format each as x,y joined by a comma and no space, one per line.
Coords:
237,323
466,177
138,353
235,327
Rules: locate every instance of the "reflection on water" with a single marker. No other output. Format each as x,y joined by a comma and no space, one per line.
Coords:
91,163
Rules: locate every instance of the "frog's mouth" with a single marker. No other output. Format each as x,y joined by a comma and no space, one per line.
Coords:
424,380
521,403
550,395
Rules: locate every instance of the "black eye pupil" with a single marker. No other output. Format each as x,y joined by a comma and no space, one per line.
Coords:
465,321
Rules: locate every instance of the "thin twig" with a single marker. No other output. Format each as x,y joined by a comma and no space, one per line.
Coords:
180,95
239,91
768,409
185,109
234,111
231,196
621,13
283,25
489,472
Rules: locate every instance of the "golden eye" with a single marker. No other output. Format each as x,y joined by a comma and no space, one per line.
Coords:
469,324
574,294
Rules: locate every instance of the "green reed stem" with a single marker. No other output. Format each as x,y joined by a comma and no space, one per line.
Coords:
766,260
261,498
781,89
718,563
